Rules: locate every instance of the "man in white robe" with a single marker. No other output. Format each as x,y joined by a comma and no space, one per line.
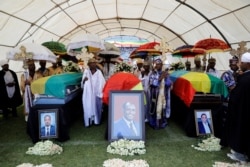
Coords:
92,84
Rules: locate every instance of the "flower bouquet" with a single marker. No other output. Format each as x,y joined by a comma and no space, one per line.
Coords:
45,148
126,147
226,164
119,162
208,144
178,66
71,67
122,67
31,165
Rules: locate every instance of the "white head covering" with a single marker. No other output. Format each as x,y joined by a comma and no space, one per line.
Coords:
3,62
245,57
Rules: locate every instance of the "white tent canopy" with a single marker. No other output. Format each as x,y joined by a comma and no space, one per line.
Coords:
179,21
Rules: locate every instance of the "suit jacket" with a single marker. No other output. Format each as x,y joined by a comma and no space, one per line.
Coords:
202,129
52,131
122,130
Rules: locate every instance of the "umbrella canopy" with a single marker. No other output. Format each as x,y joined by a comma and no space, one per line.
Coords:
143,54
212,45
121,81
149,47
186,84
188,52
56,47
110,51
145,50
31,51
91,40
184,47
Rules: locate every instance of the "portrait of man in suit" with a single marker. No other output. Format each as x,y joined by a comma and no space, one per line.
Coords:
127,126
204,125
48,129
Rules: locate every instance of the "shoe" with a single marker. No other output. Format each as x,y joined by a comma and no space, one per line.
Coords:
233,157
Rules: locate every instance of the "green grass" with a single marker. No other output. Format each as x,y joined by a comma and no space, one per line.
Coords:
169,147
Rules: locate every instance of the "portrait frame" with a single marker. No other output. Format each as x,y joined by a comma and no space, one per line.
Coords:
53,113
200,131
117,99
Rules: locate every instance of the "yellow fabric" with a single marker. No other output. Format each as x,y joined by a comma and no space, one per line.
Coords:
196,79
140,87
37,87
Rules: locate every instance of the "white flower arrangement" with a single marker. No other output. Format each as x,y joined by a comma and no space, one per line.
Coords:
210,144
225,164
122,67
119,162
31,165
127,147
71,67
45,148
178,66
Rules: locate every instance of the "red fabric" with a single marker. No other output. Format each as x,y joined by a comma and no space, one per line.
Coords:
184,90
212,44
119,81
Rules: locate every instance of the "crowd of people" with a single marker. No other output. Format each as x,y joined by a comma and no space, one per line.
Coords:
156,86
15,93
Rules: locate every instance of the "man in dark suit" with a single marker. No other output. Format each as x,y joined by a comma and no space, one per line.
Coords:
204,125
126,126
48,129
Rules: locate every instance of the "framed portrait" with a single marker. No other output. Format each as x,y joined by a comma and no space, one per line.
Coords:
126,115
203,122
48,123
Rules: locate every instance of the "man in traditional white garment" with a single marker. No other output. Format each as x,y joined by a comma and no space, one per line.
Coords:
92,84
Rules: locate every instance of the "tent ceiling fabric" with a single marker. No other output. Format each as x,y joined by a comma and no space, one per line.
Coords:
180,21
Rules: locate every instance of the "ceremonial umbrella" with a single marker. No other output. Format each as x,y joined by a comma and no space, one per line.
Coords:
145,50
186,51
56,47
31,51
85,40
121,81
143,54
109,53
186,84
212,45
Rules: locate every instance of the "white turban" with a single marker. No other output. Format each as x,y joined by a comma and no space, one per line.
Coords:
245,57
3,62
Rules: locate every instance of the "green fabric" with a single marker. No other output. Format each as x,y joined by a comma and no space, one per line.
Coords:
218,87
56,84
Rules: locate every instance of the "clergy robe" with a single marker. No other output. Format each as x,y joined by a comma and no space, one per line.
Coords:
6,101
92,96
239,115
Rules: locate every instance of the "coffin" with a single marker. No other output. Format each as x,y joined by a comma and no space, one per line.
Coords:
56,89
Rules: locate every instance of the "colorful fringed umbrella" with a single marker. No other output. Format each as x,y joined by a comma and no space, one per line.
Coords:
188,52
186,84
121,81
146,50
56,85
212,45
56,47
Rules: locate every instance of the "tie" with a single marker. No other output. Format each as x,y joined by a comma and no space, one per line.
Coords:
47,134
132,129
